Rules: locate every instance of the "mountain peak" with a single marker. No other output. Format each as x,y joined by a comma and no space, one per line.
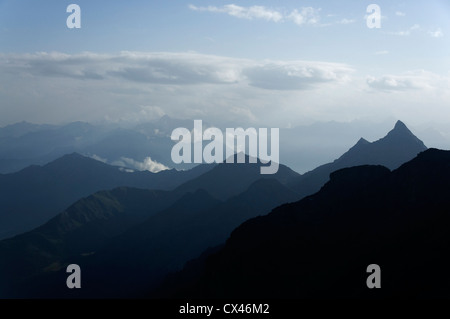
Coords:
362,141
73,160
400,129
400,126
240,156
164,119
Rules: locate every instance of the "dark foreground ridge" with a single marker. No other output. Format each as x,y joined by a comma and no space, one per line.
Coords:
321,246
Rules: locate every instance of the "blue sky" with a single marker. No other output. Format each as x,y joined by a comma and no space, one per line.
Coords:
258,62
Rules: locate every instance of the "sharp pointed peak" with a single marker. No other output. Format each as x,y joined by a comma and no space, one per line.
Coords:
362,141
165,117
400,129
401,134
400,125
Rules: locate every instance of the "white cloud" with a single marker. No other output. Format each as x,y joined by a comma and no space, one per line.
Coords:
307,15
407,32
253,12
346,21
146,165
98,158
382,52
412,80
436,33
400,14
48,88
177,69
144,113
162,68
296,75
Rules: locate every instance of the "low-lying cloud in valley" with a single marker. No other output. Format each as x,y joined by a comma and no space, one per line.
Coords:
146,165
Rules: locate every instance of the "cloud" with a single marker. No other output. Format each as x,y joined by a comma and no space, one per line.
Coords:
346,21
177,69
143,114
250,13
400,14
146,165
413,80
305,15
298,75
98,158
437,33
406,32
221,90
382,52
162,68
126,163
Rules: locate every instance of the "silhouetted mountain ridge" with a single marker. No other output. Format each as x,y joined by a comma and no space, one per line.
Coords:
397,147
35,194
226,180
125,222
320,246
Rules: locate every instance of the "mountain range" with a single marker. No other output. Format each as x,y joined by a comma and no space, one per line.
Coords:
139,225
129,239
303,147
35,194
397,147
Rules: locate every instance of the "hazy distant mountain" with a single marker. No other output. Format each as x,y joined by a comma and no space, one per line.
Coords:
302,148
396,148
226,180
33,195
24,144
164,126
22,128
320,247
39,144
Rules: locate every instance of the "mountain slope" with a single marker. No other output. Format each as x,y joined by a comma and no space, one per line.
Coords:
226,180
81,230
397,147
134,256
33,195
320,247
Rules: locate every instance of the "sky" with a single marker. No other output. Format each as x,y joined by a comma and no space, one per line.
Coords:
248,63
